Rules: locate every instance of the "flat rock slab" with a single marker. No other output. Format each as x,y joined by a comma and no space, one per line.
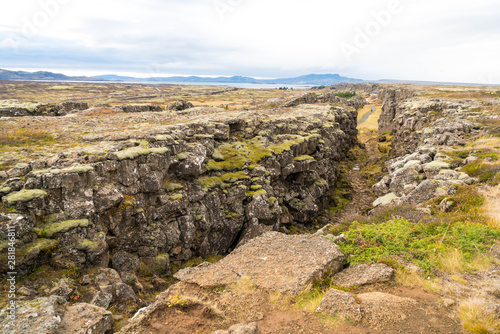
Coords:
42,315
378,307
341,303
372,307
86,319
275,261
363,274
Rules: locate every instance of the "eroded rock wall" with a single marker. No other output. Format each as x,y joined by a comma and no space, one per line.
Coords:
195,189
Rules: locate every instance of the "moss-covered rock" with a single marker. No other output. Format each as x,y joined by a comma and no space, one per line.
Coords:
24,195
52,229
134,152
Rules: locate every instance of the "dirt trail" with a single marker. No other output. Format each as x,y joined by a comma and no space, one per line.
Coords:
362,195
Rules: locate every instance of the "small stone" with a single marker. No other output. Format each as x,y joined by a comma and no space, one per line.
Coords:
86,280
26,292
341,303
446,205
447,302
62,289
363,274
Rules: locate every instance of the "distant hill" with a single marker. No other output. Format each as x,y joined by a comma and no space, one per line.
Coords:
40,75
310,79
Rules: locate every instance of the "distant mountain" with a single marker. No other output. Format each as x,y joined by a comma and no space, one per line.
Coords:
310,79
40,75
314,79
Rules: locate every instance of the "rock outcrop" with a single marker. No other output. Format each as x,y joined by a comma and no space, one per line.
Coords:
422,131
195,189
130,108
179,105
60,109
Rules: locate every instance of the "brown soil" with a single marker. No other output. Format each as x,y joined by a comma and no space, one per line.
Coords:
207,311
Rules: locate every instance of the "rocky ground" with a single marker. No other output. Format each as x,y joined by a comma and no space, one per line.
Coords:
330,226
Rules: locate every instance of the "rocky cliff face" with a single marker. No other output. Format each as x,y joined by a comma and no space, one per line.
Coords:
199,188
423,131
391,98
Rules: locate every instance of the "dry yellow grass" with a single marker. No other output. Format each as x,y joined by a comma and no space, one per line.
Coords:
409,279
309,299
455,263
371,124
476,318
492,205
484,143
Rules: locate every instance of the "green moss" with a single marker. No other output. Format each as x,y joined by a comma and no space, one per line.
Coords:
73,169
220,181
163,137
199,217
24,195
175,197
218,156
286,145
232,215
256,193
134,152
5,190
182,156
255,187
171,186
87,245
304,158
235,155
40,245
50,230
4,244
233,177
272,200
78,169
321,183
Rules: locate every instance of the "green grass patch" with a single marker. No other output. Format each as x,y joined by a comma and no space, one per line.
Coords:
424,244
346,95
22,137
486,172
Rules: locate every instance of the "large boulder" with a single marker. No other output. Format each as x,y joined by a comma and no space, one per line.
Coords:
179,105
275,261
250,328
363,274
86,319
42,315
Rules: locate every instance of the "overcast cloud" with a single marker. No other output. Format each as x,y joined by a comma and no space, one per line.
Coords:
420,40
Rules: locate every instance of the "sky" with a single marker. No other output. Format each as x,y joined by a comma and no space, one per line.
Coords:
445,40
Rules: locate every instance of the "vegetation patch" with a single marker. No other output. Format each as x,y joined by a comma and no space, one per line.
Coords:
427,245
477,319
24,195
172,186
304,158
22,137
346,95
486,172
50,230
221,181
134,152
